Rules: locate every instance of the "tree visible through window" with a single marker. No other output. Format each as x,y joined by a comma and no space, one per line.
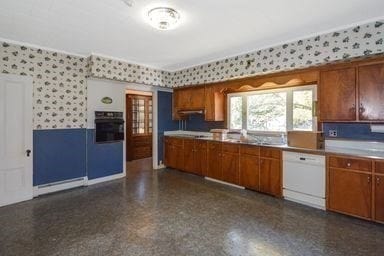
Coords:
273,110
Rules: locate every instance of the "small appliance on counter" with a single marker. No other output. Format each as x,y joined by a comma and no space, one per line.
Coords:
305,139
219,134
109,126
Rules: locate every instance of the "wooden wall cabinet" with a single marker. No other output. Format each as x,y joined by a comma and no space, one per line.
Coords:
350,186
214,104
371,92
270,171
338,95
352,93
191,98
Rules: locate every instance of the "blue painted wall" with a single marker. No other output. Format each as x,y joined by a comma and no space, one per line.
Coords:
165,122
103,159
355,131
196,122
58,154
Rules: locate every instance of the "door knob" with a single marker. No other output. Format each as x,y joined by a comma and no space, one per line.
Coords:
28,151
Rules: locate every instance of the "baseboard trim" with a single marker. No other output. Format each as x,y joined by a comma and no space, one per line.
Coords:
223,182
106,178
160,166
59,186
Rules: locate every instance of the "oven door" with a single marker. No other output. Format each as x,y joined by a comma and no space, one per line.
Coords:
109,130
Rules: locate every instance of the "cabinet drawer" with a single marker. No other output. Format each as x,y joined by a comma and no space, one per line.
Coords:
174,141
350,163
250,150
230,148
379,167
270,152
213,146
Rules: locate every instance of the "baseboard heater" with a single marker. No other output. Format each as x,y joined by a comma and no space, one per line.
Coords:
59,186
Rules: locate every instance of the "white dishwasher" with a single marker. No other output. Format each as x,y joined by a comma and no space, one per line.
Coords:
304,178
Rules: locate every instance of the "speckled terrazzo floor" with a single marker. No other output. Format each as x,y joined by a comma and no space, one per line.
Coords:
171,213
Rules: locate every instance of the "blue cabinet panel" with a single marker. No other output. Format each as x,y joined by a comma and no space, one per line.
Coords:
355,131
58,154
103,159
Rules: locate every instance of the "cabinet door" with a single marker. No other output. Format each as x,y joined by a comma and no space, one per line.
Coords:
201,157
371,92
168,153
214,160
379,198
230,167
249,171
350,192
214,104
178,157
270,176
197,98
338,95
189,156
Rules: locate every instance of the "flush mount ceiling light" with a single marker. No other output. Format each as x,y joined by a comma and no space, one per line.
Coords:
163,18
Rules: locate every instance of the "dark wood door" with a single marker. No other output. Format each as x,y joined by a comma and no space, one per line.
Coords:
201,163
189,156
230,167
249,171
270,176
338,95
379,198
350,192
214,160
138,126
371,92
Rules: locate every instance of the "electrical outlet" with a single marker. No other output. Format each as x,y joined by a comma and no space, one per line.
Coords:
332,133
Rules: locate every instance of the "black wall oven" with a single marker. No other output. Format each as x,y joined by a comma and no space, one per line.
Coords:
109,126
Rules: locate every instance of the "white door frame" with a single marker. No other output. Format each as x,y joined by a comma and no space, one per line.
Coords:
154,90
28,82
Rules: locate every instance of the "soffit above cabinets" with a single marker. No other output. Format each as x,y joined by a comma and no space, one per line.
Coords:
209,30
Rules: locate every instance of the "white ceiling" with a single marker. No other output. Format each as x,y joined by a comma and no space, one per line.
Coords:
210,29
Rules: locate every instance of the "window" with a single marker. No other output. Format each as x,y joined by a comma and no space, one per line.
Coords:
277,110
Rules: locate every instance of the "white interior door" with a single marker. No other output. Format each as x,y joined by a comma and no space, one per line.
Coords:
15,139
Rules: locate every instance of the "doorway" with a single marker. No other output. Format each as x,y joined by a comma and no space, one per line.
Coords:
15,139
139,129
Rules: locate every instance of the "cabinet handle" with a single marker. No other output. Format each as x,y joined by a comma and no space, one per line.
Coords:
353,108
349,164
369,179
361,108
378,180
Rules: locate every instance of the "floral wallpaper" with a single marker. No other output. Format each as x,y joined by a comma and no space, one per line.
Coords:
59,84
122,71
353,42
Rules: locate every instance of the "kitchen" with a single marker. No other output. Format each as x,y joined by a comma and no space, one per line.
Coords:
265,136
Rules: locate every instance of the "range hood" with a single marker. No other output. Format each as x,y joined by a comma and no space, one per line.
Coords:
189,112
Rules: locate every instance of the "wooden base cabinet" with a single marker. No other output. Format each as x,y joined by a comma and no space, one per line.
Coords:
195,156
214,160
270,171
350,186
350,192
230,160
174,152
249,167
379,198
